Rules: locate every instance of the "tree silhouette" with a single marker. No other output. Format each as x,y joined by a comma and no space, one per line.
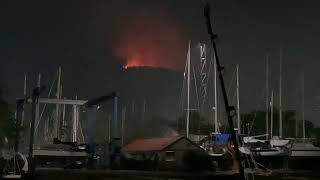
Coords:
257,122
5,123
197,124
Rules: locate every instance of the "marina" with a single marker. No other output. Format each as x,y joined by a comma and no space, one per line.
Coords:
145,116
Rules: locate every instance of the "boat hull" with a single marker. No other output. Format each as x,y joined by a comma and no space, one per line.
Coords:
305,153
271,152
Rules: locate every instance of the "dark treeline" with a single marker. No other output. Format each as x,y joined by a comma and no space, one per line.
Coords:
7,125
253,123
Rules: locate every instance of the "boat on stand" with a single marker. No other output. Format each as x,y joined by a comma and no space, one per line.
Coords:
303,153
266,147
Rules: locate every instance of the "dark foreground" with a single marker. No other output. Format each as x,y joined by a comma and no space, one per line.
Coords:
60,174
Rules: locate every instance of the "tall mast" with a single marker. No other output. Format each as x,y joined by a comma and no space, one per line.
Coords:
188,91
228,108
24,95
144,109
280,95
37,109
271,116
216,128
267,96
64,123
123,116
109,131
75,122
57,105
238,101
303,121
297,123
132,111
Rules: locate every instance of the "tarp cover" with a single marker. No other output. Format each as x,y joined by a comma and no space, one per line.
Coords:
222,138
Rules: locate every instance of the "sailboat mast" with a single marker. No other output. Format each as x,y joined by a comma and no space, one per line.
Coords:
57,112
238,101
144,109
188,91
303,121
75,122
216,130
271,116
123,116
24,95
267,96
109,126
280,96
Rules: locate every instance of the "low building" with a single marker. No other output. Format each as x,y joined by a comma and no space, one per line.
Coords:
164,152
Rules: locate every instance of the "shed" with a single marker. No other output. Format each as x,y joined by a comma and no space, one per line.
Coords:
165,151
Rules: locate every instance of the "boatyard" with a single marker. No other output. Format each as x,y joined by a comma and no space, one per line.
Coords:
168,103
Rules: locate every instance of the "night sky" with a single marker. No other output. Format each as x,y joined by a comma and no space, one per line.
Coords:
94,40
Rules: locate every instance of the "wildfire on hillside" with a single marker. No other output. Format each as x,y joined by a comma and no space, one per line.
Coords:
150,40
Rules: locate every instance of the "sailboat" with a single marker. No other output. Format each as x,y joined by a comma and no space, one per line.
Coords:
214,143
16,166
221,141
278,141
273,147
304,148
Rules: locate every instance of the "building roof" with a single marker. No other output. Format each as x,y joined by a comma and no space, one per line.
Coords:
152,144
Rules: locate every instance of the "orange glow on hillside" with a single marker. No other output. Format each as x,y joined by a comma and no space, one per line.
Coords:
150,40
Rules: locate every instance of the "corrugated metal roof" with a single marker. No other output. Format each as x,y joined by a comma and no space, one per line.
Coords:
152,144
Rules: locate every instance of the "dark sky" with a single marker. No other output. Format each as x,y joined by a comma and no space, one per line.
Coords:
92,40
